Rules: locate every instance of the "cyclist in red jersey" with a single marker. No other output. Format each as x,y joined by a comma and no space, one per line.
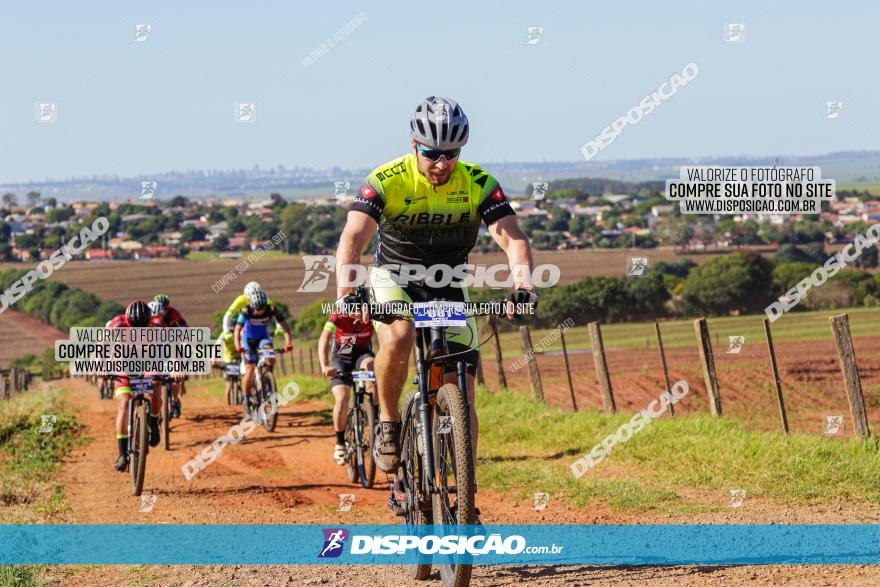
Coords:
136,315
165,315
170,315
352,351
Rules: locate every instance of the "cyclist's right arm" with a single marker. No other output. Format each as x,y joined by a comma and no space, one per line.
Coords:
324,345
360,226
231,315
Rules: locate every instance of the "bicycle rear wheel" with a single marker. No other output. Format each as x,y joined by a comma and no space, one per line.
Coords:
351,442
454,502
138,452
269,420
368,433
167,398
417,509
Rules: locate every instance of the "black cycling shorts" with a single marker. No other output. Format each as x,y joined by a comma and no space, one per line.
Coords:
345,364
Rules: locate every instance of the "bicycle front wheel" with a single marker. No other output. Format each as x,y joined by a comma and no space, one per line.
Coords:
139,438
454,503
167,398
417,509
269,420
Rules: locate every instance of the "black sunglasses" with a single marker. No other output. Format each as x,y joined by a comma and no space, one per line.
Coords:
435,154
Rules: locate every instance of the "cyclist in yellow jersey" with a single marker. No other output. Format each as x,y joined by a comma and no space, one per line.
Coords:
239,304
428,207
226,340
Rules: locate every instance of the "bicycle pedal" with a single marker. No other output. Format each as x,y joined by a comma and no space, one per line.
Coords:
395,506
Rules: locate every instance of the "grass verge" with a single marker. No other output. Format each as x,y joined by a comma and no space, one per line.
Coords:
526,446
29,457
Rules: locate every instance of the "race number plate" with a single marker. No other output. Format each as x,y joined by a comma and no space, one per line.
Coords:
140,385
267,353
363,376
232,369
437,313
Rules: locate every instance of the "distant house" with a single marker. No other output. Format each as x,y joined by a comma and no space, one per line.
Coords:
198,246
152,251
237,243
98,254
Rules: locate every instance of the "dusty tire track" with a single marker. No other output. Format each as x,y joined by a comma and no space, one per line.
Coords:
288,477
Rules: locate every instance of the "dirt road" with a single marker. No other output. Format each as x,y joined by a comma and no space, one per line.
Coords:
289,477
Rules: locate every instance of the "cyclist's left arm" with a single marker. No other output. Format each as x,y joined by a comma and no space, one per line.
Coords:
286,328
510,237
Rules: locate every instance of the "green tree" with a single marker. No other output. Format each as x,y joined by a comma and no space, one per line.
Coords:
311,320
739,282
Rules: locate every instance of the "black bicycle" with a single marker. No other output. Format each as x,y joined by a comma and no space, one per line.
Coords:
105,388
232,374
264,388
437,473
167,383
359,431
138,426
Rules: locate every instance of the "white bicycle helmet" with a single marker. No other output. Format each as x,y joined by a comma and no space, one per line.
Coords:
257,299
156,308
251,287
439,123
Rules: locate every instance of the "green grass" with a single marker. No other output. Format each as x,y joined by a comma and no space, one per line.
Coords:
673,466
527,447
29,458
794,326
20,576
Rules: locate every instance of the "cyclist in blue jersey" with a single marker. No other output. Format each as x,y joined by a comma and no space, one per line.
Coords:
252,333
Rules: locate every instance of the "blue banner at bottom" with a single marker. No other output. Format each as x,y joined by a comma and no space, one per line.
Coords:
397,544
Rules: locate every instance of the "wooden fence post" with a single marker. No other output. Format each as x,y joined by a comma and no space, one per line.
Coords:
850,370
704,343
665,367
499,363
534,374
601,367
292,363
13,380
301,362
776,377
311,361
574,405
281,365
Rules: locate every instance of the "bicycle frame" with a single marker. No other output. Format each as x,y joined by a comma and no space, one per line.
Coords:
424,337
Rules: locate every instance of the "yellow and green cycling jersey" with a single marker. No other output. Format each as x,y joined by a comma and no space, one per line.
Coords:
231,316
423,224
227,343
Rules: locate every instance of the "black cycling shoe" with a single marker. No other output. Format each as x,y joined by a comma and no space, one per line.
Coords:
154,431
175,408
121,463
386,450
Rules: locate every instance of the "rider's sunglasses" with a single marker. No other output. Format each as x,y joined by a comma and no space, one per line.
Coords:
435,154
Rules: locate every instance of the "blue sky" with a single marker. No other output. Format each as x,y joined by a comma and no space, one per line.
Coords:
132,108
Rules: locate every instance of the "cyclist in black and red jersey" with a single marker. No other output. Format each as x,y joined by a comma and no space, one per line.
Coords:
352,351
136,315
165,315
